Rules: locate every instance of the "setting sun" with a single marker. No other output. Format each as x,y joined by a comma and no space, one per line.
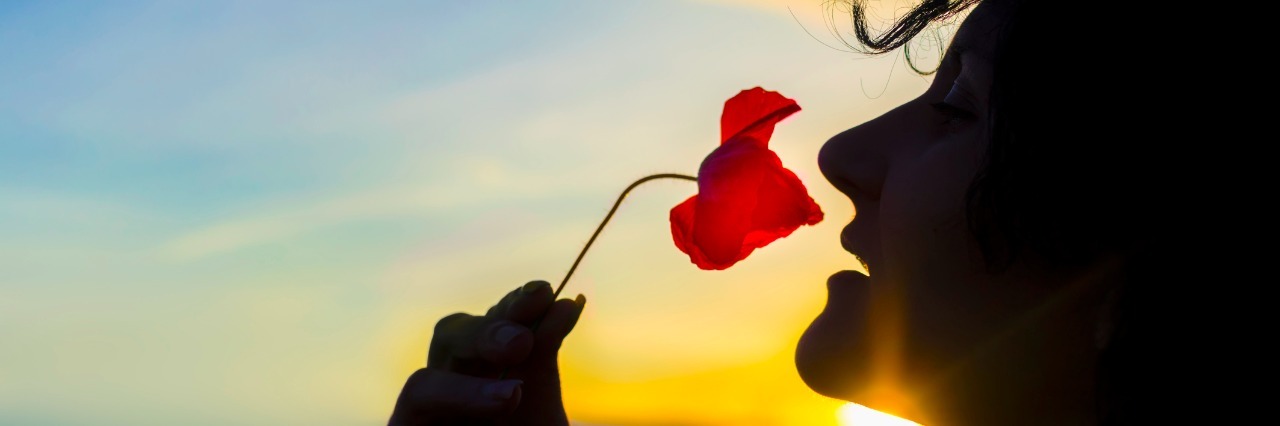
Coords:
856,415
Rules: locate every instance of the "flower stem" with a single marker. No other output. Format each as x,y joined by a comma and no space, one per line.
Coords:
610,216
596,234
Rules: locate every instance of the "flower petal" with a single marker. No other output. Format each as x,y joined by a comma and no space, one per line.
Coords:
752,113
682,217
782,205
727,196
745,200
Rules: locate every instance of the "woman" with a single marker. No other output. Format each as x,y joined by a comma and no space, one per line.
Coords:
1012,237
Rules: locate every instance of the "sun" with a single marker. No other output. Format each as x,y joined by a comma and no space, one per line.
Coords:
856,415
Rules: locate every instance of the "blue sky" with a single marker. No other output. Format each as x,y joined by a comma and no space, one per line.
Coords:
247,212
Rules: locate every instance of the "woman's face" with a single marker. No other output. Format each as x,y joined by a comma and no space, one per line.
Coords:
928,301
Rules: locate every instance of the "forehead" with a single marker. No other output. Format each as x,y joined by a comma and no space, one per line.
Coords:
977,34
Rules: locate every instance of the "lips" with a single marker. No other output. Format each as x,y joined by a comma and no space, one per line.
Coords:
841,281
858,241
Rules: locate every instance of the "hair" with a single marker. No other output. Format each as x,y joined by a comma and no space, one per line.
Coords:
1088,188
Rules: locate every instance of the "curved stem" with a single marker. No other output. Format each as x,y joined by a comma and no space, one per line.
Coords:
610,216
593,240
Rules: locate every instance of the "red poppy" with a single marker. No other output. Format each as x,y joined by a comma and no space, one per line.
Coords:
745,199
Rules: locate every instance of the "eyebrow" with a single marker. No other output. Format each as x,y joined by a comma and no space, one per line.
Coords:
966,47
963,54
973,64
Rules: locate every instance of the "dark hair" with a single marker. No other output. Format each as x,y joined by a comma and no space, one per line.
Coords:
1066,181
1041,199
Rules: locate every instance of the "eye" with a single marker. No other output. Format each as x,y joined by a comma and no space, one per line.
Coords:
953,114
957,107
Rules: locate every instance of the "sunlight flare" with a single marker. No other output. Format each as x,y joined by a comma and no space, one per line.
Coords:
856,415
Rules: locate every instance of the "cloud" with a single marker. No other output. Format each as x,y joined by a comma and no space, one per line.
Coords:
286,222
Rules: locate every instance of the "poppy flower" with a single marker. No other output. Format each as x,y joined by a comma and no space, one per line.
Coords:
745,199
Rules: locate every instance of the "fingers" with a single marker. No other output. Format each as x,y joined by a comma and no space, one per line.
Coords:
505,342
561,317
432,394
484,345
460,339
501,307
542,366
525,304
468,353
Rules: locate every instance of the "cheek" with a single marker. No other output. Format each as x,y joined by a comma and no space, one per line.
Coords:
922,211
929,255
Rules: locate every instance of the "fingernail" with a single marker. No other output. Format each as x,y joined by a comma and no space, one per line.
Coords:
501,390
505,333
533,286
581,301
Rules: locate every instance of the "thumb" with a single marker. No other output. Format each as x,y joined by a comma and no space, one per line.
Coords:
558,321
432,394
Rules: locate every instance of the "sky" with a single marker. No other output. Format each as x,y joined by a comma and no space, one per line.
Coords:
253,212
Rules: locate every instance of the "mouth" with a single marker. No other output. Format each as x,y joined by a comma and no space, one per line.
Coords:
856,243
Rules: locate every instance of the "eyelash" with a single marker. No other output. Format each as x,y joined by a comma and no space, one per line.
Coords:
953,113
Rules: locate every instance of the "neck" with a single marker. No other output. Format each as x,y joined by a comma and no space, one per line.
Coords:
1041,370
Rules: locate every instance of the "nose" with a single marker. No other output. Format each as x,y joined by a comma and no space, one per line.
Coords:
856,160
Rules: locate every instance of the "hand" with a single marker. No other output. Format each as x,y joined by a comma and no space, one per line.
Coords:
468,353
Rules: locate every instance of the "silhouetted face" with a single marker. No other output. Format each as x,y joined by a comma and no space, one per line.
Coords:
929,301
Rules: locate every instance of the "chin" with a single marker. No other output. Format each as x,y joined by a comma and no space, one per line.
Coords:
831,361
822,372
830,358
